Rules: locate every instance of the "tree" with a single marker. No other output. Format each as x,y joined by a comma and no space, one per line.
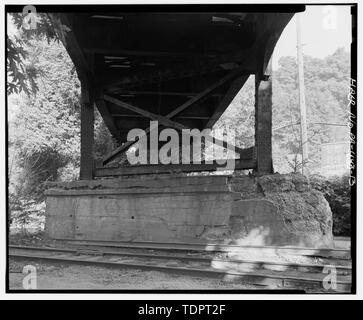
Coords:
327,86
239,116
45,132
20,75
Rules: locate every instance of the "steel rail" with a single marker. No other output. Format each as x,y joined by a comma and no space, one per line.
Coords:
260,263
259,277
216,247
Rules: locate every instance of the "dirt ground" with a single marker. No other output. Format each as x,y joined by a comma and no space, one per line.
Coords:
73,277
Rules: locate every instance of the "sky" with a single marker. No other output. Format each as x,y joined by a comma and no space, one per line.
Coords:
323,30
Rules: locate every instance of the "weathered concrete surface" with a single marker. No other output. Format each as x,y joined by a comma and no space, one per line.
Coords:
268,210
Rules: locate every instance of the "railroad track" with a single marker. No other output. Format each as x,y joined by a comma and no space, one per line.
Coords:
270,267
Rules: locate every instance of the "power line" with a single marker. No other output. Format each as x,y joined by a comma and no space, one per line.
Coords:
310,123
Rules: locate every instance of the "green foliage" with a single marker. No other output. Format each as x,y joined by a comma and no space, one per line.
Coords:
326,90
44,132
25,210
239,116
337,192
47,123
21,74
104,143
44,28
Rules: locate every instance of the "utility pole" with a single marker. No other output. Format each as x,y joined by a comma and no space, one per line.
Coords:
300,63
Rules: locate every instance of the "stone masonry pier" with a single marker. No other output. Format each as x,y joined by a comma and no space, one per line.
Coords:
249,210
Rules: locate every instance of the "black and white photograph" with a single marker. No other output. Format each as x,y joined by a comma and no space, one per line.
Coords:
167,148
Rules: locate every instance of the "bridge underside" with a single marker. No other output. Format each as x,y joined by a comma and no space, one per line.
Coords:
180,69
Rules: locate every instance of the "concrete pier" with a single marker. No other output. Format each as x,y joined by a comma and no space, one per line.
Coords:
247,210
